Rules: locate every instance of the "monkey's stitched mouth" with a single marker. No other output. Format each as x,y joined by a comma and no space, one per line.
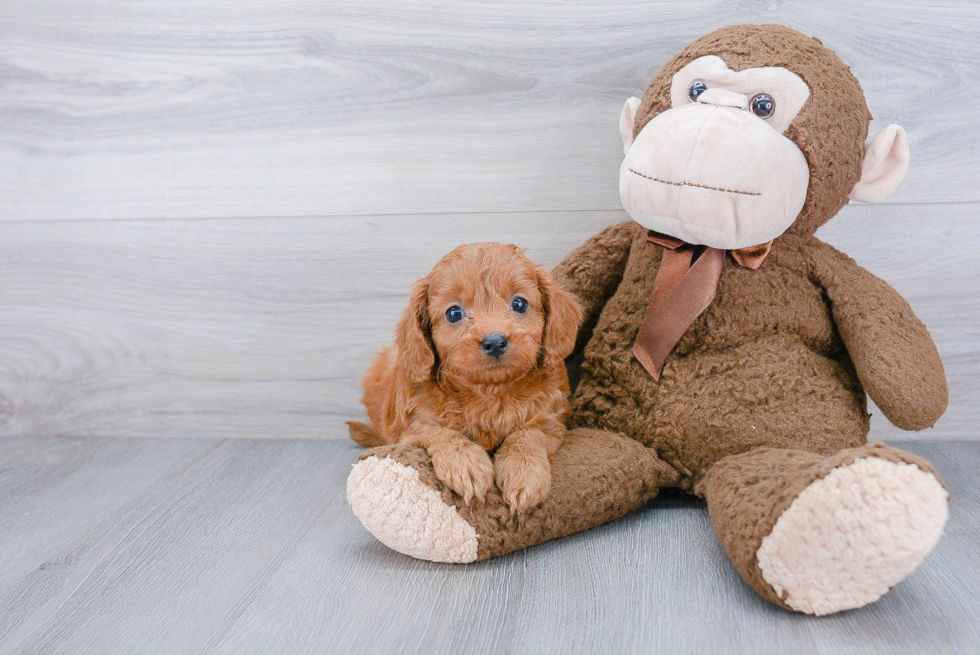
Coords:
700,186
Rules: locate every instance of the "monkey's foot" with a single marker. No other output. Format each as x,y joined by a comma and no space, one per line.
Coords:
596,477
852,535
406,514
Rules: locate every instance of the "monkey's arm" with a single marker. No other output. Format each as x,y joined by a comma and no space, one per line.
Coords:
593,271
894,356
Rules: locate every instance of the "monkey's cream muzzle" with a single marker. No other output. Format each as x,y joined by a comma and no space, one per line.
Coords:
714,175
708,170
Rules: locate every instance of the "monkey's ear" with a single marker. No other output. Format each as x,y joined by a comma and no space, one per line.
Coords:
886,160
415,354
626,122
562,315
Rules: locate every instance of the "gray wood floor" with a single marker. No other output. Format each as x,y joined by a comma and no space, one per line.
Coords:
243,546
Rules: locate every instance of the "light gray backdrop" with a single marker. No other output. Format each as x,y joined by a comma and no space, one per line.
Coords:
210,212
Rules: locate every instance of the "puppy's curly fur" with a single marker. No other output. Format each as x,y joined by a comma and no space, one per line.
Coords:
446,387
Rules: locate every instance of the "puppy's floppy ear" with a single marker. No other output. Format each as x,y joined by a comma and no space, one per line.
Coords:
562,317
415,354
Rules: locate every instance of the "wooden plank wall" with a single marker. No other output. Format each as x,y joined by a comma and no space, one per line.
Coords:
210,212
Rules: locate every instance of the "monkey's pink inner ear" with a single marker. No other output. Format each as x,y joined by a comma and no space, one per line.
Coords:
626,122
886,160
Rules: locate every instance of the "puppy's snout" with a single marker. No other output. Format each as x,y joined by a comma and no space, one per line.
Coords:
494,344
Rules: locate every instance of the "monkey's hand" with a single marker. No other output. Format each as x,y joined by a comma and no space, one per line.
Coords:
894,356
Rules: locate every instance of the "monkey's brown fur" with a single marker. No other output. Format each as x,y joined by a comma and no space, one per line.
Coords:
765,392
466,403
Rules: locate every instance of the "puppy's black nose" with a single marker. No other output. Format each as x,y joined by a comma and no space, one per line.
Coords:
494,344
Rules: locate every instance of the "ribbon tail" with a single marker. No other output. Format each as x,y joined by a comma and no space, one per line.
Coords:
664,325
753,256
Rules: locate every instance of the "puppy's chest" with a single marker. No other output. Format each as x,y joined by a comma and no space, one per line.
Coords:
488,420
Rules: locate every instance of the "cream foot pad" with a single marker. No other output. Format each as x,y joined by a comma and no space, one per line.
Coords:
853,535
408,515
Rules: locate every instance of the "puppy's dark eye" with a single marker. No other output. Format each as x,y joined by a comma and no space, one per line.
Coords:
762,105
518,305
454,314
697,88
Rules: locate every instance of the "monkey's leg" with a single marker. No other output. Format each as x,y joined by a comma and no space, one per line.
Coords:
596,477
822,534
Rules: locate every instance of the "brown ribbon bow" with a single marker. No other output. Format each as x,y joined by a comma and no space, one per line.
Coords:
681,292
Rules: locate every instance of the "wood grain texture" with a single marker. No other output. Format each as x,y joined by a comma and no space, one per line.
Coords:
217,328
307,108
262,327
235,546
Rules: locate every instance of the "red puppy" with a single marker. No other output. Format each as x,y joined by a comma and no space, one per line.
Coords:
478,367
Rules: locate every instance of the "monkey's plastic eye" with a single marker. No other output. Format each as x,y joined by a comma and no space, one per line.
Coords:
762,105
454,314
518,305
697,88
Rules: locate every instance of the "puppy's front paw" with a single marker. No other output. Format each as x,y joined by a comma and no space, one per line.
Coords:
524,480
464,467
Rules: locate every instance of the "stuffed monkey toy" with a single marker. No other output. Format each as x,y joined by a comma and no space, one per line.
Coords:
727,350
